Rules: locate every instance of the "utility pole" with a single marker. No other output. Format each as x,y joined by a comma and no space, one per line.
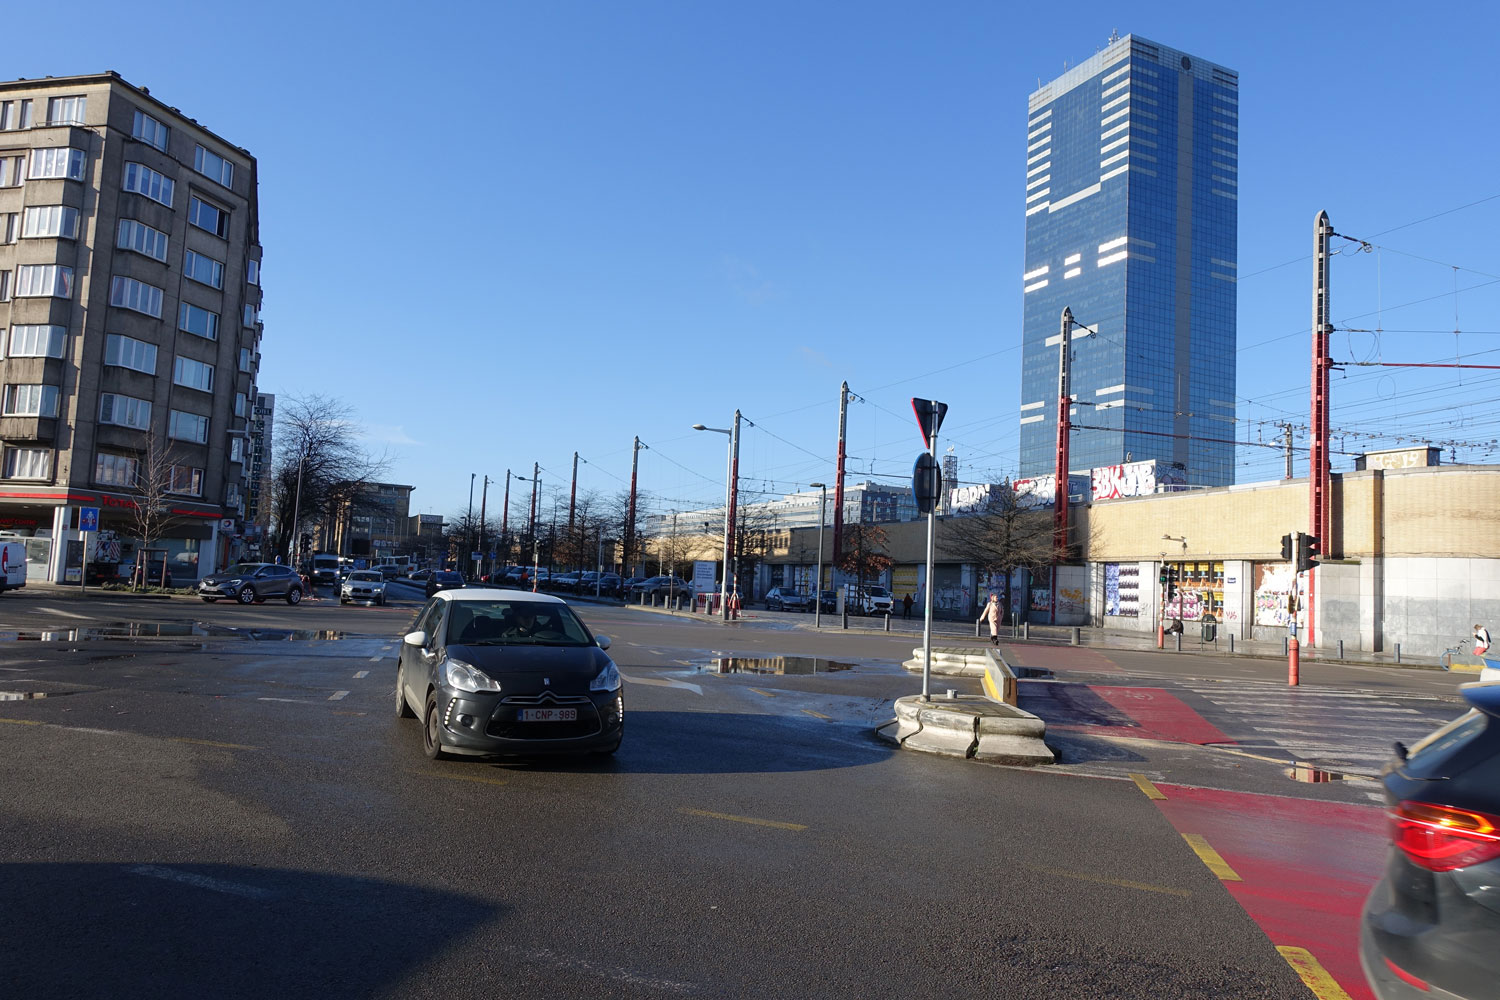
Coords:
469,518
1317,475
1287,433
1064,434
505,519
635,457
536,475
573,499
731,547
484,496
838,475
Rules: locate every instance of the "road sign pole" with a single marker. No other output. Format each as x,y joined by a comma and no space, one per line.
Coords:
926,484
927,591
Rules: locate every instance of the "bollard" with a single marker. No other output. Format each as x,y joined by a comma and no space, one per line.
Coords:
1293,664
1283,646
1341,649
1026,630
976,628
1398,652
1231,642
846,618
1177,638
887,623
643,598
1077,636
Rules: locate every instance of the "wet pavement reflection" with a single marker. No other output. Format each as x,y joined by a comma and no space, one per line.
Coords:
167,630
1317,775
773,665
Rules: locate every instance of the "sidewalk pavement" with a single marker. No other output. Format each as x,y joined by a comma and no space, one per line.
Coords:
1098,638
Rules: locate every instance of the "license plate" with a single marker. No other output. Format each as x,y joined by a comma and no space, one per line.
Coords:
548,714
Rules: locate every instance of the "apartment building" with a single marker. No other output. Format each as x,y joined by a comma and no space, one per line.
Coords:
129,322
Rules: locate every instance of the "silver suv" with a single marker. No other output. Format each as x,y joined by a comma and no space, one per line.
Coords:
251,583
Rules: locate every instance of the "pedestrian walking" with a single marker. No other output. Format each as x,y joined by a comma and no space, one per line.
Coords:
992,612
906,603
1481,640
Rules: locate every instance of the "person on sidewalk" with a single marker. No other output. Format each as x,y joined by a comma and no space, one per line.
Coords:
991,611
1481,640
906,603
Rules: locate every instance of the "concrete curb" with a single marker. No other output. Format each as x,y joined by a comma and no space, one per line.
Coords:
969,726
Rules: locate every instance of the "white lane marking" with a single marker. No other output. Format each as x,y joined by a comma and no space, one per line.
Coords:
338,696
376,659
294,701
361,675
101,732
581,966
201,881
65,614
662,682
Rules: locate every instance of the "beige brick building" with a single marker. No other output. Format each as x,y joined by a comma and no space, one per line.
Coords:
129,306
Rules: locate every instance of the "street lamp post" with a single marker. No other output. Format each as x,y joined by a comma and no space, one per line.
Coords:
469,519
818,580
599,561
731,494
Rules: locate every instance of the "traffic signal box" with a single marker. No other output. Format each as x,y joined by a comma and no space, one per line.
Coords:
1307,551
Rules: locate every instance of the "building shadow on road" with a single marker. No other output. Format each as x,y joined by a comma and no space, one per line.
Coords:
722,743
223,931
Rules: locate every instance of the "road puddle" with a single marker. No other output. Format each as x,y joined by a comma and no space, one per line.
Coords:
773,665
1317,775
167,630
30,695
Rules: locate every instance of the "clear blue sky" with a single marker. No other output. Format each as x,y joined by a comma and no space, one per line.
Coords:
505,232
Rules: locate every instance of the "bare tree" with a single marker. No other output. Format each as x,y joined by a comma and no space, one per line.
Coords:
152,516
864,552
1000,536
321,471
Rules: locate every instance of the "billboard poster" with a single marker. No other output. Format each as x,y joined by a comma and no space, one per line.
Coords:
704,576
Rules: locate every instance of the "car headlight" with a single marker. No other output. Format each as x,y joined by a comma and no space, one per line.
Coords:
608,679
466,678
235,582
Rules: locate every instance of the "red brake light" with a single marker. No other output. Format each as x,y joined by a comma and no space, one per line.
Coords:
1441,838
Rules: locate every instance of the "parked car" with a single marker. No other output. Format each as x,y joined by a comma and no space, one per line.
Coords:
787,599
392,572
420,576
565,581
250,583
1429,926
662,585
443,579
871,601
629,583
561,691
609,584
828,601
363,585
516,576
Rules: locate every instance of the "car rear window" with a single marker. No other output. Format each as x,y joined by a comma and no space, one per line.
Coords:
1429,757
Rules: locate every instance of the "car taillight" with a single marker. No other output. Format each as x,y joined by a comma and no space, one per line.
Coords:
1442,838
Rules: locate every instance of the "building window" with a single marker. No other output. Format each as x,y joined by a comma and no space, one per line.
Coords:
36,342
23,114
194,374
4,286
203,269
252,314
39,280
57,162
114,470
213,166
127,352
143,180
29,401
7,115
66,110
56,221
127,293
194,319
124,411
12,171
239,404
237,449
186,480
150,131
10,226
209,218
28,463
187,427
252,272
142,239
244,359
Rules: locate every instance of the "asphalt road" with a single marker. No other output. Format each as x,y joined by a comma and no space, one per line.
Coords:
224,804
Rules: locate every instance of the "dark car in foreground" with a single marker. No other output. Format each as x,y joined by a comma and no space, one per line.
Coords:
1431,926
250,583
443,579
497,672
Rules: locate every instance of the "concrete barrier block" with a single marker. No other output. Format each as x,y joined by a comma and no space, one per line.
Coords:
945,732
1006,748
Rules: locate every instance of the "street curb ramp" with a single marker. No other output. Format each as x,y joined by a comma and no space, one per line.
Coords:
989,727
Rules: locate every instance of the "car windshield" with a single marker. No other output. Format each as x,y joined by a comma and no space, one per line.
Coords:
505,623
366,576
447,577
240,569
879,592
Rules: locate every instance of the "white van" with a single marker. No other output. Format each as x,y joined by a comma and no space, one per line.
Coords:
12,566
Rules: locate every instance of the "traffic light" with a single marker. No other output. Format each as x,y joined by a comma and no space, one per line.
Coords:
1307,552
1162,577
1171,583
1286,548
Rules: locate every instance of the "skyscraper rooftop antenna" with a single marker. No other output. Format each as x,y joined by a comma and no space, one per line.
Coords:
1114,35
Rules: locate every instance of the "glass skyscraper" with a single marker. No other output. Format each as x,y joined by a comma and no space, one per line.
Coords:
1132,171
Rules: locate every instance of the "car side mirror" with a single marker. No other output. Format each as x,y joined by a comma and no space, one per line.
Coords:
417,638
602,641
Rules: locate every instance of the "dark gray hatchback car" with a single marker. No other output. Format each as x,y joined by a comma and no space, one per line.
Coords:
249,583
508,672
1431,926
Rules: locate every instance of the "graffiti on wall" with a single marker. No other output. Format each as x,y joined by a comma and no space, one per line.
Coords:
1070,601
1134,479
1274,586
1122,589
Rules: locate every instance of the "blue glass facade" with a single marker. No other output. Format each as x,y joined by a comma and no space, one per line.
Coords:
1132,169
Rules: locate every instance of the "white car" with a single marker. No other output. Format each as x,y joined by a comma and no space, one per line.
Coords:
1491,672
363,585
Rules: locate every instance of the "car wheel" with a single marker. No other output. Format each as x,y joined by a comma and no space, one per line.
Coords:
432,742
403,710
246,595
380,601
294,596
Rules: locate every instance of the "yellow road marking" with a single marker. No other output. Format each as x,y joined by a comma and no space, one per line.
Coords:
1314,976
25,722
819,715
1123,883
464,777
1144,784
766,693
744,819
990,689
211,743
1211,858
